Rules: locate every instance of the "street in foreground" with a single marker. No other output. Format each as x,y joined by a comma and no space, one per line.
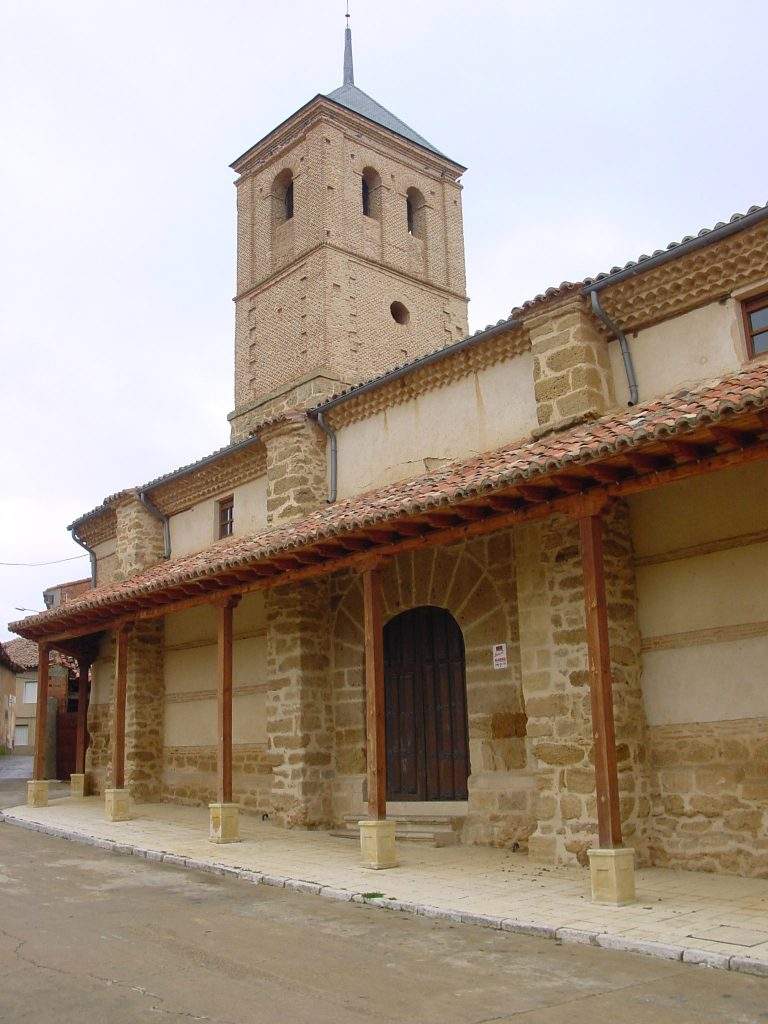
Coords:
86,936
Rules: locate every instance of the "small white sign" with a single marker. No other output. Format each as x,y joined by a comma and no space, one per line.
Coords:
499,656
11,699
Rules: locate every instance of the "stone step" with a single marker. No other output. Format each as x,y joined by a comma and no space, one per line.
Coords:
434,829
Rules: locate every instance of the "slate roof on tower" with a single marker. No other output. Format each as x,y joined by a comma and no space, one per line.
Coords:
349,96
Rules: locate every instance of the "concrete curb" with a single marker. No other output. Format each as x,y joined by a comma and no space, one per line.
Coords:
605,940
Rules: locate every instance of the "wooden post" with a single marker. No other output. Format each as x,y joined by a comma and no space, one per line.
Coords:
118,739
600,682
224,700
83,667
41,715
374,695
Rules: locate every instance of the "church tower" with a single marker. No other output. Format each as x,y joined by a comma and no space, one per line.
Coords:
350,253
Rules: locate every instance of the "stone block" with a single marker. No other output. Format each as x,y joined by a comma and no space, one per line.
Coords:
224,823
613,876
78,784
377,844
37,793
117,804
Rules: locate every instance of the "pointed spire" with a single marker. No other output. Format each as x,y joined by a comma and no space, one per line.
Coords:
349,70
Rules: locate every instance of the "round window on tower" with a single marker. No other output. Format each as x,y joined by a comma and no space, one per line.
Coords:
399,313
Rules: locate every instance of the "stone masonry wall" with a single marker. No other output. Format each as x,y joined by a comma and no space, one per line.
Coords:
139,538
571,368
145,707
710,796
475,582
556,685
190,776
299,710
98,756
296,469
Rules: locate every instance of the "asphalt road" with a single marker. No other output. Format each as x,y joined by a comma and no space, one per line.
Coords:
87,936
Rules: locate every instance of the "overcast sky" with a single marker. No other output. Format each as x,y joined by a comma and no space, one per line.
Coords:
593,132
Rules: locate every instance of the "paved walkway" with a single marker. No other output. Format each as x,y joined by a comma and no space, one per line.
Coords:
15,766
717,920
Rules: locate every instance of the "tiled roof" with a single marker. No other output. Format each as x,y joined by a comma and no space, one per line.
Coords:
173,474
6,661
23,652
703,237
403,368
518,463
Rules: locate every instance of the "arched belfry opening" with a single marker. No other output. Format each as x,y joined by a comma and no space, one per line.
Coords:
282,198
426,706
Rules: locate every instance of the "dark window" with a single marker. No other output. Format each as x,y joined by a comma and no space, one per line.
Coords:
71,704
366,198
226,516
289,201
409,214
756,324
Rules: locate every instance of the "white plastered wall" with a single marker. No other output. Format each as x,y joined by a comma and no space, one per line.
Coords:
702,581
684,350
195,528
466,417
190,675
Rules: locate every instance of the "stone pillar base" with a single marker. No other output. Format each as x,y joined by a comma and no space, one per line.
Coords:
78,784
377,844
225,823
117,804
37,793
613,876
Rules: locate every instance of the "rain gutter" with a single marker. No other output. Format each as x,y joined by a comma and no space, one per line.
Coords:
91,552
155,511
626,352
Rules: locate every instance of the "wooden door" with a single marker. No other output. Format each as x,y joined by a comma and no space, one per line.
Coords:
66,740
426,706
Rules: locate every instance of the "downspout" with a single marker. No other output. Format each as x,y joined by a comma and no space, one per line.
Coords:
155,511
330,433
626,355
91,552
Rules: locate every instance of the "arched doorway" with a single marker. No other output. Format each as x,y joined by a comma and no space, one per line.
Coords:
426,706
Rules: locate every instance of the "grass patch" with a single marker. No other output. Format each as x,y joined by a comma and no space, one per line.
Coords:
372,895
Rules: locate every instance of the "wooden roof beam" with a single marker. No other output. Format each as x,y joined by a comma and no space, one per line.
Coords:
689,451
644,463
607,474
569,484
536,493
735,438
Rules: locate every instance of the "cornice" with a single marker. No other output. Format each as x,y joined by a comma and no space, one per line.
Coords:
435,375
214,478
693,280
321,110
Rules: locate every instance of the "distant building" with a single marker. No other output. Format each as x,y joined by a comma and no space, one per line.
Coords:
8,672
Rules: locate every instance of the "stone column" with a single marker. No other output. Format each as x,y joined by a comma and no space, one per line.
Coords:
299,709
556,685
145,709
296,467
571,370
140,541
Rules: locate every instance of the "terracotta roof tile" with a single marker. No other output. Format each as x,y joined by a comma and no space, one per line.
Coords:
677,413
22,652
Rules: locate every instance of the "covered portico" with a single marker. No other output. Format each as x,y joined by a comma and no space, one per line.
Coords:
577,476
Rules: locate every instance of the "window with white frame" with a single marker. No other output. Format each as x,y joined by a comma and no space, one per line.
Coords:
30,691
21,735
